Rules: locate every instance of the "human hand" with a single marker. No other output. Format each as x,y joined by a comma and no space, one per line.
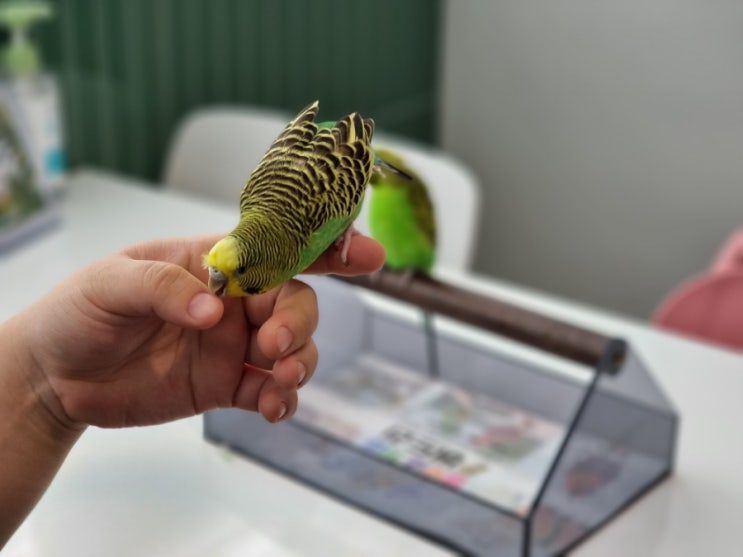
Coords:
136,339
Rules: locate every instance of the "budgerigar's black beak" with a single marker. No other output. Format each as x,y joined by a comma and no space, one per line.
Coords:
217,282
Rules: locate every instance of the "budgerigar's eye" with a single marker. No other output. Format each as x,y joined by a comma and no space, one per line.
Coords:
251,290
241,270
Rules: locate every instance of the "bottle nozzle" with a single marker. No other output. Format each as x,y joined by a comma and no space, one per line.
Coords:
20,57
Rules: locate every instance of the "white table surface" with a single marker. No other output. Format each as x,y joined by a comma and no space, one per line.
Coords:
164,491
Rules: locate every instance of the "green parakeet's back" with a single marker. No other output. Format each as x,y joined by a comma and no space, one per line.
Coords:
401,217
302,196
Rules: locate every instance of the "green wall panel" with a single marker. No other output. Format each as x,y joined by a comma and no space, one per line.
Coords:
130,69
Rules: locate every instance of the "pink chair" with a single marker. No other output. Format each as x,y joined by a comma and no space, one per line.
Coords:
709,307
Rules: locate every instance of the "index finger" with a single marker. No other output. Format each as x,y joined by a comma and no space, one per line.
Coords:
188,252
365,255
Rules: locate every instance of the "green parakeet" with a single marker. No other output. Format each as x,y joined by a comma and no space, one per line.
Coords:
303,196
401,217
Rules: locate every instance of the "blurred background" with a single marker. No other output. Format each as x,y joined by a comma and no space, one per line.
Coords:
607,137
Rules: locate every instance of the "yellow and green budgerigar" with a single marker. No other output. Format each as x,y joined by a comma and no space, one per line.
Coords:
401,217
304,195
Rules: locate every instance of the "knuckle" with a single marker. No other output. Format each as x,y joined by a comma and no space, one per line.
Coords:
308,302
160,277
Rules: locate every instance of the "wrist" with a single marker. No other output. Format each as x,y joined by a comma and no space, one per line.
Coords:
33,440
26,395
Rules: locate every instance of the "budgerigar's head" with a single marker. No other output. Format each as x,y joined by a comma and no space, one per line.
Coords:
229,272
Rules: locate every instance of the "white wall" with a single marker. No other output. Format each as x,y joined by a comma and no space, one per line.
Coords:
608,137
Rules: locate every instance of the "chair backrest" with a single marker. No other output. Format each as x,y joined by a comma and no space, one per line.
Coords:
710,307
214,151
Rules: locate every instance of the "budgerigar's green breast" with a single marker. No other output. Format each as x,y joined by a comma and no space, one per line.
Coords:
402,217
393,222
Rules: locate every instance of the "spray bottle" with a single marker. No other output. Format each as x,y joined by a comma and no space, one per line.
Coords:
31,96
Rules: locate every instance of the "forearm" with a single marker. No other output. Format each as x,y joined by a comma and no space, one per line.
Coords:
33,444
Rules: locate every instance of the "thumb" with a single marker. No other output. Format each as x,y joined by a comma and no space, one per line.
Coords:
141,287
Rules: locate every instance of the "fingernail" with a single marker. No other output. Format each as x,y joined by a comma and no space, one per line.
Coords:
301,373
284,338
202,305
282,412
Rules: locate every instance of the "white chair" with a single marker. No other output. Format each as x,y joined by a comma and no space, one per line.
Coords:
214,150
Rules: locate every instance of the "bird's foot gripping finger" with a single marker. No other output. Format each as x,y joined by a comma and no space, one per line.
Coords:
344,243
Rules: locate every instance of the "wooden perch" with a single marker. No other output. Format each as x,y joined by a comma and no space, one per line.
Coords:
539,331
